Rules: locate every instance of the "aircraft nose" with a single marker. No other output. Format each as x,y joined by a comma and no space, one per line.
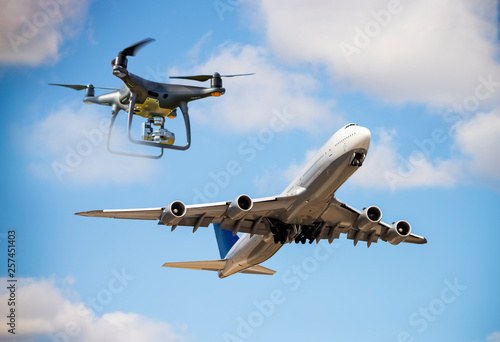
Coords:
363,135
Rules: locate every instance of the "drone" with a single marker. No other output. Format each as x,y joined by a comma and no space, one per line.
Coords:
153,101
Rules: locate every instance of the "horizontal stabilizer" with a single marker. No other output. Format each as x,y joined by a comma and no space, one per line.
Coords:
257,269
216,265
207,265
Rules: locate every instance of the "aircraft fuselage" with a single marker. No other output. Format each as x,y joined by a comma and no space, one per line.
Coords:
315,187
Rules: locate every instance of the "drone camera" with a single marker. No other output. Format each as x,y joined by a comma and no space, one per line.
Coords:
161,135
164,136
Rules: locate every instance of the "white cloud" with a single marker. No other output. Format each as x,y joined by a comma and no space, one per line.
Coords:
478,139
33,31
386,168
70,145
251,102
494,337
47,311
438,53
475,139
427,51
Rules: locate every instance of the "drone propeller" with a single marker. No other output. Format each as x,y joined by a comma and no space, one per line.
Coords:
132,49
120,62
203,78
80,86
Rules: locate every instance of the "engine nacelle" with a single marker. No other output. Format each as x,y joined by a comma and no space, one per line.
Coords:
369,218
239,207
398,232
173,214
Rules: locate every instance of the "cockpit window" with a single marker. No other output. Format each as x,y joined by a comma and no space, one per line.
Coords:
349,125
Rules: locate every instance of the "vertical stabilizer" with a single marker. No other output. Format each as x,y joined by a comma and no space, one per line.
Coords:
225,240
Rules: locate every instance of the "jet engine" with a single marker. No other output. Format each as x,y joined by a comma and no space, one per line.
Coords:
368,218
239,207
173,214
398,232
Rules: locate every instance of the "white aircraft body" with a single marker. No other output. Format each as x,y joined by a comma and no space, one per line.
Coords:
306,211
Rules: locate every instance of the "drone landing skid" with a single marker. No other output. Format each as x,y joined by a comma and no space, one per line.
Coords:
128,154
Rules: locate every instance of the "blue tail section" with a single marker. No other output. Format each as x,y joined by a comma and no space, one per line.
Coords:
225,240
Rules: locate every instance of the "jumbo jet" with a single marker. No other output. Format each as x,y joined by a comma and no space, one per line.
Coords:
306,211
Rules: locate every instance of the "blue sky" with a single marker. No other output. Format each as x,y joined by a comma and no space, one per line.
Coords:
423,77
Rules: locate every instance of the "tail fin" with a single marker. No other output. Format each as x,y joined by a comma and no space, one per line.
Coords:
225,240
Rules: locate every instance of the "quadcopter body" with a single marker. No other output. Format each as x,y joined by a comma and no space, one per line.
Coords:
154,101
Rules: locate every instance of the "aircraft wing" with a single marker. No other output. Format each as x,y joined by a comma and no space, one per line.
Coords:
340,218
202,215
134,214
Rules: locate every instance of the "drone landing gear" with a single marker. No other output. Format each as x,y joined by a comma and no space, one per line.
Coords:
161,138
161,133
114,112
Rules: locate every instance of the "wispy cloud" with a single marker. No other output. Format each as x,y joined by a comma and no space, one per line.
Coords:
386,168
478,139
473,144
33,31
472,147
69,145
494,337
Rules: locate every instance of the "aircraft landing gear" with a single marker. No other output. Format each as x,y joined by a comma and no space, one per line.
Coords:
284,233
357,159
307,234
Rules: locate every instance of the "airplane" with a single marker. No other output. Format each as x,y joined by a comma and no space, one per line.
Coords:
153,101
306,210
